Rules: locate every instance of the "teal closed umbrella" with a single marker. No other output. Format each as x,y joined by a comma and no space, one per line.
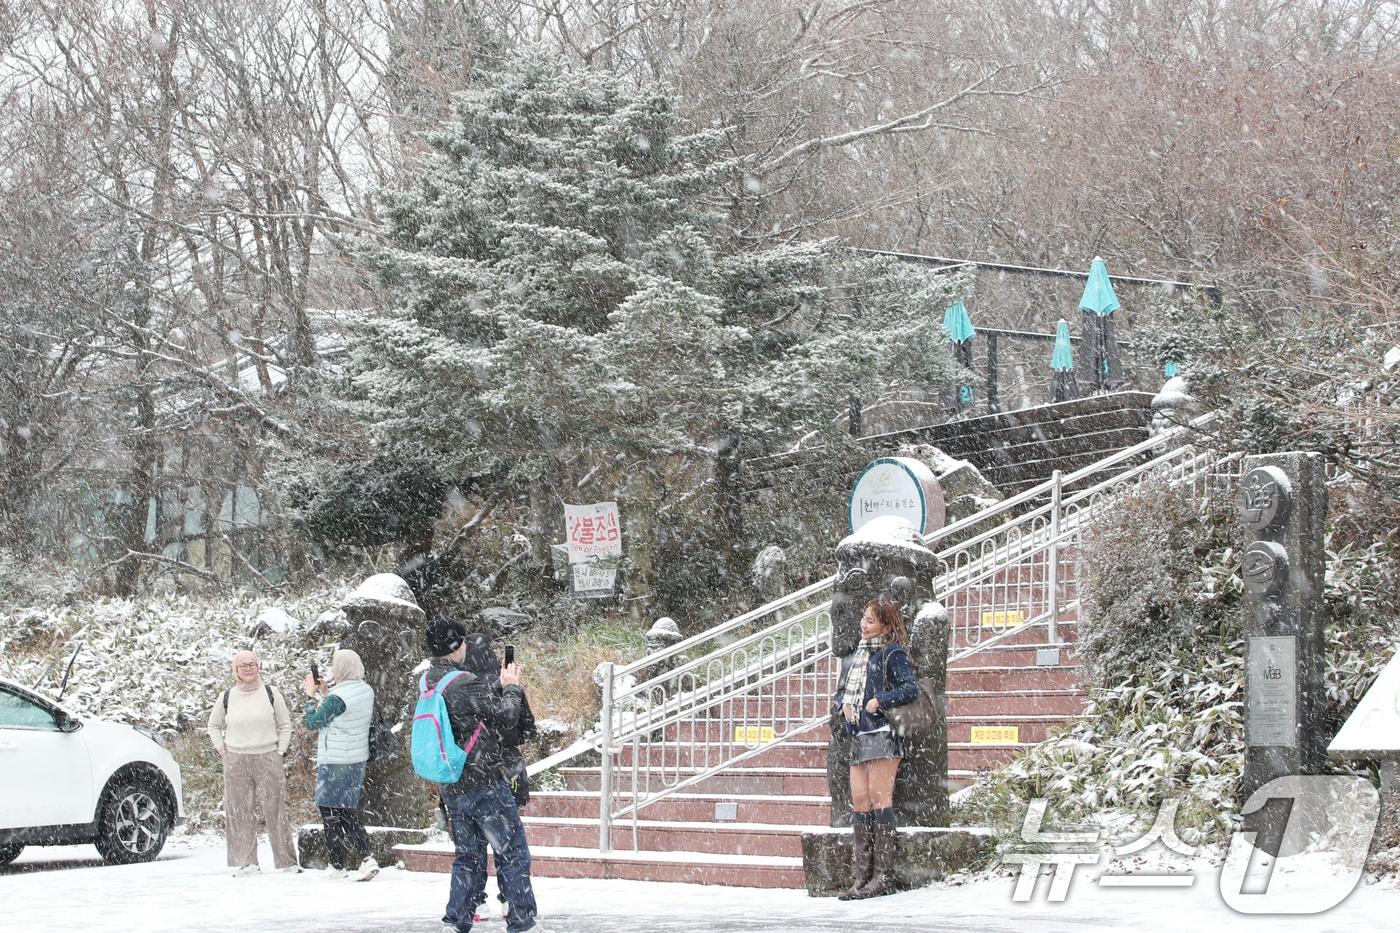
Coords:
1100,366
1062,365
957,325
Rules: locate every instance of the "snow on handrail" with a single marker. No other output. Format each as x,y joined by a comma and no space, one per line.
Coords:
975,568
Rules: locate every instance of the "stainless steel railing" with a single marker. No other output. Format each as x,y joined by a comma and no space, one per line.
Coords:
724,696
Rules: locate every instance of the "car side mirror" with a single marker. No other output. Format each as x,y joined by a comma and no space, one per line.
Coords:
65,722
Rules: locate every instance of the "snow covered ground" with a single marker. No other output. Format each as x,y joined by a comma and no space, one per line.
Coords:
189,889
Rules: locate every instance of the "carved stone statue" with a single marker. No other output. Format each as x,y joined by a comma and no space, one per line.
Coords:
385,626
886,557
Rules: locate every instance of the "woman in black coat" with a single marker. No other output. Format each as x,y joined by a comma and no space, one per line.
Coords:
880,675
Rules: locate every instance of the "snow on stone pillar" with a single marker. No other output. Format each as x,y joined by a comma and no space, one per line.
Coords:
1173,404
1282,502
886,557
663,634
386,628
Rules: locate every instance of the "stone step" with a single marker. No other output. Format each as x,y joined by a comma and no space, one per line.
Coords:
1022,655
711,838
1012,678
1066,701
741,780
1038,633
1029,729
812,810
976,622
1029,600
963,756
958,779
773,707
737,732
810,753
1033,571
754,871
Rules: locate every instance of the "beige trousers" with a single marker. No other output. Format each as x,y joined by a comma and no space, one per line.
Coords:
260,778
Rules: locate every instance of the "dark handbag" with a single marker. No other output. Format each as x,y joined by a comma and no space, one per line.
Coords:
383,743
919,717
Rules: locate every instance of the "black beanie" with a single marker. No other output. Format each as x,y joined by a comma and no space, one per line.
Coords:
445,635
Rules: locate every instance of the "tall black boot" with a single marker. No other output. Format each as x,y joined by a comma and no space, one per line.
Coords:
883,843
860,859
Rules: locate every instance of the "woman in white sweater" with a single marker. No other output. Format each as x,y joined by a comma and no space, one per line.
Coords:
341,721
251,728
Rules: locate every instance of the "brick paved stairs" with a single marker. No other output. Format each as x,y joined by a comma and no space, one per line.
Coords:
766,803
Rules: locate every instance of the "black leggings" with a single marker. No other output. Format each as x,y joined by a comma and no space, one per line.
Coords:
344,834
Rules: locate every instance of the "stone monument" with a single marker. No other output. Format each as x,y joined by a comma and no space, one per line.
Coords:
385,626
1282,502
886,557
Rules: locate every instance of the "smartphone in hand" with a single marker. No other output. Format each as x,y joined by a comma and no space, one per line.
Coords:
510,654
315,673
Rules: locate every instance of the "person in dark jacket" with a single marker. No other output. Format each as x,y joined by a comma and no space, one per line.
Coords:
880,675
482,661
479,805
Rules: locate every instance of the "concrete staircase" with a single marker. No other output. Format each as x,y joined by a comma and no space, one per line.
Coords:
743,826
1011,681
1010,696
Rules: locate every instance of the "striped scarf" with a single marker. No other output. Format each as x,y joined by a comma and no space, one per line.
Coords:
853,698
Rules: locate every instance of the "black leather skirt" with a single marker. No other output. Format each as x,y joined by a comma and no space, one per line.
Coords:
872,746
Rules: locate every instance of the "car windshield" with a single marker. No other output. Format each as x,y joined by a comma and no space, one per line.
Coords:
17,712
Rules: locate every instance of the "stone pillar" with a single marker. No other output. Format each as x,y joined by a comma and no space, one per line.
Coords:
1173,405
886,557
663,634
921,791
386,628
1282,503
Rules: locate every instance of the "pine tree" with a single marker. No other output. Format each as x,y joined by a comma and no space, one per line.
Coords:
568,311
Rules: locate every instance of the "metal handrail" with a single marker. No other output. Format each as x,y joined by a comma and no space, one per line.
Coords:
590,741
747,672
1194,466
947,531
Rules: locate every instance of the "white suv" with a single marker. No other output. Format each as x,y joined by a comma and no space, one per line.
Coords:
65,780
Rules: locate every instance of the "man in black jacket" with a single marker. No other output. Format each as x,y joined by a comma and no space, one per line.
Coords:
479,805
482,661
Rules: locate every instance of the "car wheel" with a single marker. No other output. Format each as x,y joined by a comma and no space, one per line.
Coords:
10,852
132,826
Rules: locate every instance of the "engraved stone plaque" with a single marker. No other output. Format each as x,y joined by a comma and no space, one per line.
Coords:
1265,498
1265,567
1273,691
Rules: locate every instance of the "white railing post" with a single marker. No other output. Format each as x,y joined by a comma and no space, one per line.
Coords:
605,781
1056,491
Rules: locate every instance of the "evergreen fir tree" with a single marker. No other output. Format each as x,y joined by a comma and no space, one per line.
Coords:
569,314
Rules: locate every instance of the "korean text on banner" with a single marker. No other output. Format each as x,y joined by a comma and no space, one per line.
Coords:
593,531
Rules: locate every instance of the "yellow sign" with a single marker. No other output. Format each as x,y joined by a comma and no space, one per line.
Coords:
1002,618
753,735
996,735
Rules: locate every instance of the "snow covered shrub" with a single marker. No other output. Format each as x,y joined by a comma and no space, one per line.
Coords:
161,662
1360,594
1157,575
1162,634
1173,731
31,582
30,630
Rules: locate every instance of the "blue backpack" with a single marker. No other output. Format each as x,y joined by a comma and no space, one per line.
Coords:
435,753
